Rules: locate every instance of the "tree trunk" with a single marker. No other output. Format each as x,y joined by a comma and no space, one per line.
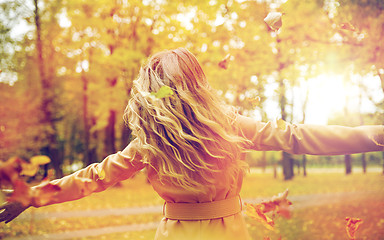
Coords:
287,159
52,148
382,153
263,161
364,163
304,165
86,126
109,140
287,166
348,164
275,170
125,137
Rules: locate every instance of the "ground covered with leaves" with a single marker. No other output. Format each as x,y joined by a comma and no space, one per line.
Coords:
321,203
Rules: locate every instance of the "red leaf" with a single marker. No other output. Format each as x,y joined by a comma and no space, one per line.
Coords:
352,225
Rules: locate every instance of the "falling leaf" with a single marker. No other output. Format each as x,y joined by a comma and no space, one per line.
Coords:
273,20
31,168
352,225
255,211
281,124
40,160
278,204
347,26
225,62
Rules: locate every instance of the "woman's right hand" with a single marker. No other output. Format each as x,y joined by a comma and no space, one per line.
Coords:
10,210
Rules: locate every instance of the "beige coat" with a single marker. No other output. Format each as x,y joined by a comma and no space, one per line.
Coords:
278,135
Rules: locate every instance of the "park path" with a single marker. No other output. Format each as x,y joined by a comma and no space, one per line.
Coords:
299,202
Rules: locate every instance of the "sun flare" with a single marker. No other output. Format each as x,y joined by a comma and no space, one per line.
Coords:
328,95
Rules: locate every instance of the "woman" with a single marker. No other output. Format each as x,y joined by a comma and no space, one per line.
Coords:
192,146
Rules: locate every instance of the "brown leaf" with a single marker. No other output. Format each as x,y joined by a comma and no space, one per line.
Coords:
225,62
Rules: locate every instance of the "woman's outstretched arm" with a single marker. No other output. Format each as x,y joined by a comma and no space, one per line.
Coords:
94,178
311,139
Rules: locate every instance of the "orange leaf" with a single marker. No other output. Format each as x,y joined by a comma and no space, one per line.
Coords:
352,225
255,211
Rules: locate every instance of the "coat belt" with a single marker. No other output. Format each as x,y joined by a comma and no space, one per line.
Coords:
202,211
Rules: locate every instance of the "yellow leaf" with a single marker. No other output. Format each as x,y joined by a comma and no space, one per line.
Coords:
29,169
100,174
40,160
164,91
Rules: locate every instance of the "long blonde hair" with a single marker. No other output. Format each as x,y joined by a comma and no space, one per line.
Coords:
189,135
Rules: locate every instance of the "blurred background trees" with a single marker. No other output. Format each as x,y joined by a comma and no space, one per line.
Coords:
68,66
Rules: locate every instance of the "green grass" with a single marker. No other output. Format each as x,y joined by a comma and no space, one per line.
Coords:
320,222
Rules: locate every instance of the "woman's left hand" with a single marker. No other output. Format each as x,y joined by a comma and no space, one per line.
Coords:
10,210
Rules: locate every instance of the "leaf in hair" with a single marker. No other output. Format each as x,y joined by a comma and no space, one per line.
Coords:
164,91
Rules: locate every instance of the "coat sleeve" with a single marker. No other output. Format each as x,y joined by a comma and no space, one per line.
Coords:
95,177
311,139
